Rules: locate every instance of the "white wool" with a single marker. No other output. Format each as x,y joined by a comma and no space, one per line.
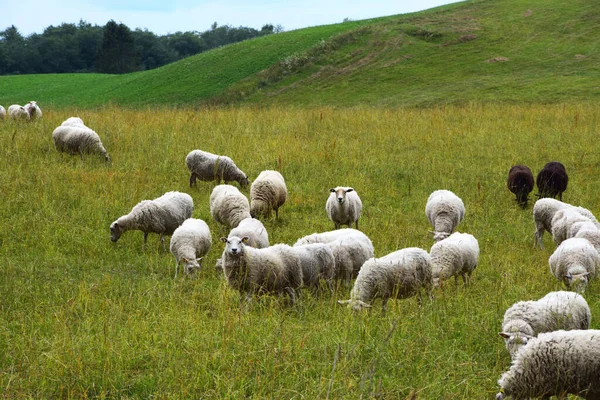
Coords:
575,262
268,192
445,211
228,206
78,139
2,113
343,206
350,253
17,112
190,242
33,110
254,230
73,121
318,262
211,167
458,254
564,222
330,236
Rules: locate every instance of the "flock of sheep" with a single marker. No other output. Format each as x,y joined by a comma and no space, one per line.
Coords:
553,350
29,112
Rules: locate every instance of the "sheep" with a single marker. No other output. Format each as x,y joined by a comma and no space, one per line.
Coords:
211,167
78,139
330,236
190,242
343,206
17,113
458,254
350,253
2,113
445,211
162,215
566,223
552,180
73,121
33,110
520,182
590,232
575,262
555,363
268,192
318,262
401,274
274,269
254,230
228,206
543,213
524,320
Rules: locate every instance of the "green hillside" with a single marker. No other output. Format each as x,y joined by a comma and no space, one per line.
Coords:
480,50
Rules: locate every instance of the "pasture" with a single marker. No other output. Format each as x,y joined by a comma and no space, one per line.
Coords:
82,317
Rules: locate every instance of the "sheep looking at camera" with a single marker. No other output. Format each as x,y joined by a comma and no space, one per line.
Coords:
33,110
211,167
343,206
254,230
445,211
268,192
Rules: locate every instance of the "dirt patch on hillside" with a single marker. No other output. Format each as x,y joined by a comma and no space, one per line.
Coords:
497,59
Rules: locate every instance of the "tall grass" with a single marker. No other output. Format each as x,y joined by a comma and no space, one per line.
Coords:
83,317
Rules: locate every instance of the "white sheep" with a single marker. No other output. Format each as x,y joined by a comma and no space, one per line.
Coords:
401,274
274,269
73,121
350,253
18,113
78,139
524,320
575,262
228,206
566,223
445,211
190,242
2,113
458,254
33,110
211,167
268,192
162,215
555,364
318,262
326,237
254,230
544,211
343,206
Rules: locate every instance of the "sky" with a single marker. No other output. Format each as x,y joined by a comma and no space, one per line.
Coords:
170,16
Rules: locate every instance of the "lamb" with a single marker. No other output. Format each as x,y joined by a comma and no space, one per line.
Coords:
18,113
254,230
555,363
78,139
575,262
343,206
401,274
543,213
318,262
552,180
520,182
274,269
458,254
162,215
445,211
211,167
33,110
268,192
330,236
556,310
190,242
2,113
228,206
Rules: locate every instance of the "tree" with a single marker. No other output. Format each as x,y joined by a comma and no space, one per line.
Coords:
117,54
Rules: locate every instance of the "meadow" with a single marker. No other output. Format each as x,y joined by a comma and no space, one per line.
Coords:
82,317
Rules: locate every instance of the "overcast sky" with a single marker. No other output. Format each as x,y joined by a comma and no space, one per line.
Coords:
169,16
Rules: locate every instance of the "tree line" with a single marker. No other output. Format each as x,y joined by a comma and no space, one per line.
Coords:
112,48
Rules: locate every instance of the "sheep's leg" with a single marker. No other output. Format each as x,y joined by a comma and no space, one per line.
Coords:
330,286
384,306
176,267
277,213
337,226
466,277
162,240
291,293
193,180
145,239
356,222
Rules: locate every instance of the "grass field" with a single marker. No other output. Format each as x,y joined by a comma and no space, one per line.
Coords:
82,317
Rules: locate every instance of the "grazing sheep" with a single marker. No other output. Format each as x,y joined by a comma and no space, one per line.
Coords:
73,121
317,263
162,215
2,113
330,236
520,182
543,213
254,230
401,274
590,232
552,180
445,211
575,262
33,110
350,253
268,192
228,206
274,269
556,310
189,243
211,167
78,139
566,223
343,206
458,254
18,113
555,364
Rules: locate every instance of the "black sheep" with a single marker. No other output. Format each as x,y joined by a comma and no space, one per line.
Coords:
552,180
520,182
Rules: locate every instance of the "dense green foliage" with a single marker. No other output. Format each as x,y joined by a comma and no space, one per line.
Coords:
82,317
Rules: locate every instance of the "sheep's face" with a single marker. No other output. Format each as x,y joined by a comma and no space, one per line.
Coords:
356,305
115,231
514,341
244,181
577,282
340,193
234,246
192,266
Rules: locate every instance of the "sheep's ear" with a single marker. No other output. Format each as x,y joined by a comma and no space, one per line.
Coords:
343,302
199,259
245,239
332,190
432,232
224,239
185,260
349,190
503,335
568,276
363,304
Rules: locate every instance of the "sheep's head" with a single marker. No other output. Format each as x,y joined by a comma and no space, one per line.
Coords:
234,246
437,236
577,281
116,231
340,193
244,181
516,335
356,305
190,266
